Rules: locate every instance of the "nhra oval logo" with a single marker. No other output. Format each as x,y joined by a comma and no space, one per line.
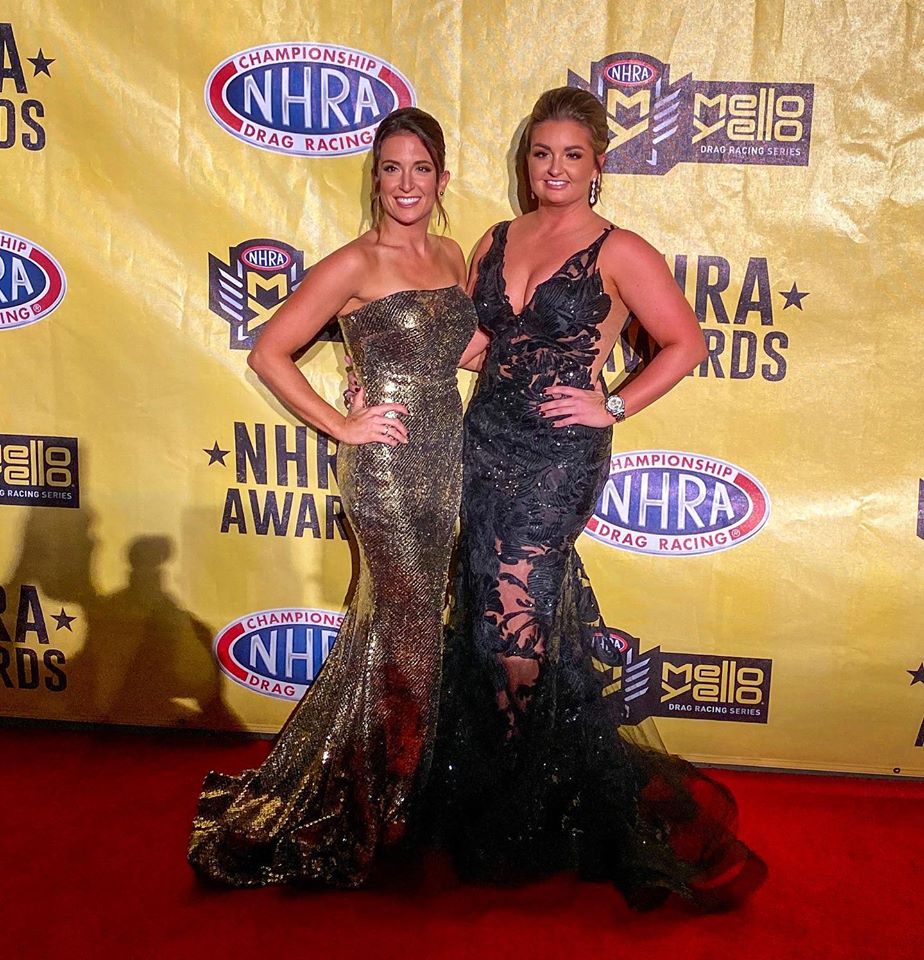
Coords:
278,653
670,503
32,282
266,257
305,99
630,72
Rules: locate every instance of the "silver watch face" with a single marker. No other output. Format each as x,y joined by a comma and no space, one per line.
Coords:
615,405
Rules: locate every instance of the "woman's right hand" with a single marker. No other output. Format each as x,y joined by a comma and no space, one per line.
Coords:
378,424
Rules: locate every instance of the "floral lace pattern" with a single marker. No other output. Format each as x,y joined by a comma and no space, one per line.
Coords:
533,769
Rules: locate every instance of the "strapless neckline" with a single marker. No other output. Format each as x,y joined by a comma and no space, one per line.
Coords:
395,293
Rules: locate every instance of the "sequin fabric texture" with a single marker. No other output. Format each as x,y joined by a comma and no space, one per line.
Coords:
534,768
340,782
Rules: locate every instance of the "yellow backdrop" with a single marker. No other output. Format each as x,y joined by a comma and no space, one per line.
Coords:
171,544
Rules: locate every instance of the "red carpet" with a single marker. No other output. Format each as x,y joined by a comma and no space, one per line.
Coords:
93,842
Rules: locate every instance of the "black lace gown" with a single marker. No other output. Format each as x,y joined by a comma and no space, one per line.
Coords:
534,771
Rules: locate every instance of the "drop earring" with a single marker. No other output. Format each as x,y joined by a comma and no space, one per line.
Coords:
594,194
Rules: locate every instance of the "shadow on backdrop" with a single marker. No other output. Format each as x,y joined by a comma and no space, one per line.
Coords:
144,658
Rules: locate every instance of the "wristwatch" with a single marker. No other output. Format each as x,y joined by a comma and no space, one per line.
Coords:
616,407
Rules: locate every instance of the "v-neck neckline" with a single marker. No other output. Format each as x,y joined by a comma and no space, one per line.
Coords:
503,261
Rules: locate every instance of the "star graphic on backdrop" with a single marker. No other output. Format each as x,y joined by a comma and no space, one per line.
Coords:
41,63
216,454
917,676
793,297
64,621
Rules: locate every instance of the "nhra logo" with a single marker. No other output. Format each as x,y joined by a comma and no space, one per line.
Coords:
39,471
655,683
305,99
32,282
743,313
627,72
655,124
20,119
29,657
259,275
278,653
284,482
677,504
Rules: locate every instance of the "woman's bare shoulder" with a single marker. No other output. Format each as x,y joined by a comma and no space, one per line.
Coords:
452,252
357,255
624,247
628,241
448,246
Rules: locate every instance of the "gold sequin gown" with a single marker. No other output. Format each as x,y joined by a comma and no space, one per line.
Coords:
345,770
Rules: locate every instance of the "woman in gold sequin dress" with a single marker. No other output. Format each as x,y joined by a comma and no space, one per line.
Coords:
341,780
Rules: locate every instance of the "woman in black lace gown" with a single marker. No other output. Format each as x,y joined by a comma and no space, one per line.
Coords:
534,770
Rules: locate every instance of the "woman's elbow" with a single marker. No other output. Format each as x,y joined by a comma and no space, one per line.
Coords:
698,352
695,350
256,359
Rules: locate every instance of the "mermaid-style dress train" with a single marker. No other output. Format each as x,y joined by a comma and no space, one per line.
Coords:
535,770
341,781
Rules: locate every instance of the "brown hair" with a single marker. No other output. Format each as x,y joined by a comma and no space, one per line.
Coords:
428,131
562,103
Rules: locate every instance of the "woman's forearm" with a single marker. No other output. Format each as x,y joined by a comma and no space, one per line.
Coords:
286,382
473,356
473,363
668,367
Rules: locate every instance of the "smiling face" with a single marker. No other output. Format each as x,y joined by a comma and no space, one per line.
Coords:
561,162
407,179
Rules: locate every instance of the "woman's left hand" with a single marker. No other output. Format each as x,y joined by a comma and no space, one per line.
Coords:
575,406
349,395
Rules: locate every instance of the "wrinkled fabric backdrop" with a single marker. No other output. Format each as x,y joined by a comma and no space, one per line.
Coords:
171,545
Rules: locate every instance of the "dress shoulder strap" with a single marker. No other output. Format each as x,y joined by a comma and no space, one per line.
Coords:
595,248
500,232
584,262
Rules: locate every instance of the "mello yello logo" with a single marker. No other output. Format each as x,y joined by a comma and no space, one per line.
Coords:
653,682
657,122
671,503
305,99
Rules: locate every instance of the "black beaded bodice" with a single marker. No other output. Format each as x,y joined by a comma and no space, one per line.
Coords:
553,339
